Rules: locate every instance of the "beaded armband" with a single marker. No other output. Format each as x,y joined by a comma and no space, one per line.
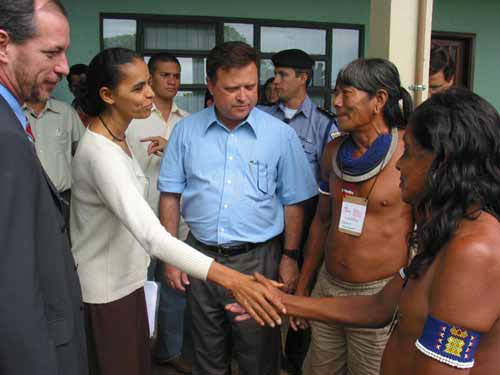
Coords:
324,187
448,344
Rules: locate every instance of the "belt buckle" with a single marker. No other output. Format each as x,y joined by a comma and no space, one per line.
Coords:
221,250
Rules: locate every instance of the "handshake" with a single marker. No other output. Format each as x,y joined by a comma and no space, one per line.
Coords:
269,309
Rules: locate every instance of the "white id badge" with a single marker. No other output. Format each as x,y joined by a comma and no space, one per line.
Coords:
353,215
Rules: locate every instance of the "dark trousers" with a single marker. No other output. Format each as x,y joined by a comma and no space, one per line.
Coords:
297,342
214,333
118,336
66,208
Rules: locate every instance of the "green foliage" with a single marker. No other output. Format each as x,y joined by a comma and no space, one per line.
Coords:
232,35
125,41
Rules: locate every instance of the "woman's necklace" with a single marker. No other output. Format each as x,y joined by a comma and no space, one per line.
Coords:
117,139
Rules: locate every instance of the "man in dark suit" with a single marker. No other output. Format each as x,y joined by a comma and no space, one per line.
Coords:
41,318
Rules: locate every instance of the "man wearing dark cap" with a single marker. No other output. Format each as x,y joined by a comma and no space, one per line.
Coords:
293,72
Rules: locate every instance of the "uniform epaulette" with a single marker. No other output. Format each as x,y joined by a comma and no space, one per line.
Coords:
327,112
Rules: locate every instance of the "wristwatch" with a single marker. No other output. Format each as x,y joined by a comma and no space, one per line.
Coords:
291,253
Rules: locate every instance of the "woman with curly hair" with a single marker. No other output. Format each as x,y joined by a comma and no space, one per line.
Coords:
445,306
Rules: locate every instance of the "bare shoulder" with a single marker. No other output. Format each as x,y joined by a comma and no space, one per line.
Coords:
465,289
328,154
476,243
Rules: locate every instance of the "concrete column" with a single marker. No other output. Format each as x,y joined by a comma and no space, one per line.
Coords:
400,31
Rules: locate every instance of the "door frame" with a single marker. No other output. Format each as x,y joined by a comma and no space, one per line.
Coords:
469,40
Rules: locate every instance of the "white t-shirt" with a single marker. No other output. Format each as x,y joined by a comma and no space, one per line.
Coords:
289,112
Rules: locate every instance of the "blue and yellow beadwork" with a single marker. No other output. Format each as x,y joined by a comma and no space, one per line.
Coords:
449,344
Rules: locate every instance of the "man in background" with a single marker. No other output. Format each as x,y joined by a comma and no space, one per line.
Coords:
441,71
293,70
77,84
57,129
148,138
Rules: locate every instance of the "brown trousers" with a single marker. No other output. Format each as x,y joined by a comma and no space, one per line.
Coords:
118,336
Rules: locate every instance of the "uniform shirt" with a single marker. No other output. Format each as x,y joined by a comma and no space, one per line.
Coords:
310,125
55,129
234,184
154,125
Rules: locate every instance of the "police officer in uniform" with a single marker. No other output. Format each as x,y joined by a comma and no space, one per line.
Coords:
293,70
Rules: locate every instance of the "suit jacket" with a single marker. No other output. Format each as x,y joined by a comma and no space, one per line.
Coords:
41,311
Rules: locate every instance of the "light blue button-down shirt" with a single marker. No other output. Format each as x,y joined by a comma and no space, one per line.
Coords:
234,184
16,107
310,125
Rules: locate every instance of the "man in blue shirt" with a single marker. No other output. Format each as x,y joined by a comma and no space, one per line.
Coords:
293,72
242,177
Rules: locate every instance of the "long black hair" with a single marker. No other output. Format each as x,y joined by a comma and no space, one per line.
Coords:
105,71
371,75
462,130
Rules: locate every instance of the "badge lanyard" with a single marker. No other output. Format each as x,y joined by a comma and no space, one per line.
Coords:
353,212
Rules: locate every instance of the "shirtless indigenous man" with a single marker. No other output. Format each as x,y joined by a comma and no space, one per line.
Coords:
358,174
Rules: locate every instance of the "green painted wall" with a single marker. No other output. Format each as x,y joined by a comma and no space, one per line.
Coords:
479,17
84,17
483,19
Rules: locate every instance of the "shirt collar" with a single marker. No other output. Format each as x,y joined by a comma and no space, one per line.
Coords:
251,120
49,106
174,109
14,105
305,107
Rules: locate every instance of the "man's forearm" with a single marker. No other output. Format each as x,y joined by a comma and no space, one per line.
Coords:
294,221
314,251
170,212
313,254
362,311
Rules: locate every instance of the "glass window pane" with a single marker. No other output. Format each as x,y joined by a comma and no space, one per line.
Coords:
191,101
266,70
274,39
345,48
319,73
238,32
119,33
179,36
193,70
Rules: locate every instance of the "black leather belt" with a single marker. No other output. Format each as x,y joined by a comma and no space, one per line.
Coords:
231,250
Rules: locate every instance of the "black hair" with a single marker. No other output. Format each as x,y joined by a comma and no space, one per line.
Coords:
105,71
17,18
441,60
371,75
161,57
208,96
263,98
462,130
230,55
76,69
